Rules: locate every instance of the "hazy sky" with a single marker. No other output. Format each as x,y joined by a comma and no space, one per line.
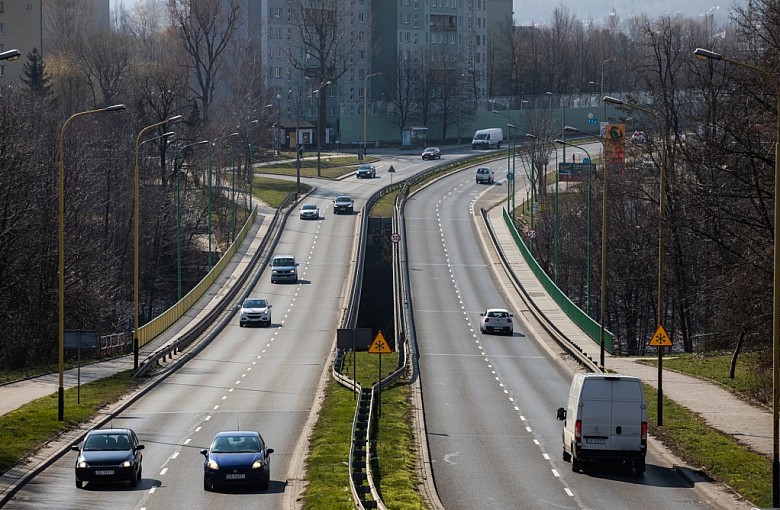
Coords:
540,11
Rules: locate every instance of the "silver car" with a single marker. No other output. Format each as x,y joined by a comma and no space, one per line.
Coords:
255,311
309,212
496,320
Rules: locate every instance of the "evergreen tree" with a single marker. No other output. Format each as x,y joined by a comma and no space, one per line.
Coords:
34,74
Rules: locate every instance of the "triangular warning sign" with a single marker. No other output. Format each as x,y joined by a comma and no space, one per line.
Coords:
379,345
660,338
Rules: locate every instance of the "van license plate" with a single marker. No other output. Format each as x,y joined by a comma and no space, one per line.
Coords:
595,440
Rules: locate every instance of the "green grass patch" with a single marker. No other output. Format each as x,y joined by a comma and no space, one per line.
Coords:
274,191
751,379
330,167
393,467
27,428
717,454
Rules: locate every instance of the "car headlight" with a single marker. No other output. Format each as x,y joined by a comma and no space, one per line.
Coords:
257,464
82,464
126,464
213,465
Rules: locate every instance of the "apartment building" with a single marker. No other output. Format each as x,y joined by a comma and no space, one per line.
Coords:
24,25
447,37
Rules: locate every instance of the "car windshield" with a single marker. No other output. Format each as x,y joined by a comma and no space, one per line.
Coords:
236,444
255,303
497,313
283,262
309,207
483,170
343,200
364,167
97,442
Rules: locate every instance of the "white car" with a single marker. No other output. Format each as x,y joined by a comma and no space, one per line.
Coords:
309,212
255,311
496,320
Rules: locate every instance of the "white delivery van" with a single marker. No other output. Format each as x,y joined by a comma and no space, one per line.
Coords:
605,420
487,138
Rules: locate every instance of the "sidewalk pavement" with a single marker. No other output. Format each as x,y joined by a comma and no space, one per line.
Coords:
720,408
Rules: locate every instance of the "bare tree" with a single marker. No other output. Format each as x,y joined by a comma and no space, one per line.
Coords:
324,50
205,29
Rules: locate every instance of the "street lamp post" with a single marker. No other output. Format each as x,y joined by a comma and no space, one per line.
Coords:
661,231
176,167
251,169
10,55
365,106
208,193
587,269
510,156
603,104
61,283
603,296
533,186
319,124
136,233
710,55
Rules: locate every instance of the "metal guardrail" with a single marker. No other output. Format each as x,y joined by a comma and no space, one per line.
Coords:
270,240
546,323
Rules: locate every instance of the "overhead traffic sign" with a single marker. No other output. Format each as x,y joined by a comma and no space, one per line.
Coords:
660,338
379,345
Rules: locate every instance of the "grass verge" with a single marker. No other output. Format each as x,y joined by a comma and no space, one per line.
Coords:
393,467
716,454
27,428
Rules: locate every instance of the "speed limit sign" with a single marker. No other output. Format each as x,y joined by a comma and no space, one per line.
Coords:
395,237
531,234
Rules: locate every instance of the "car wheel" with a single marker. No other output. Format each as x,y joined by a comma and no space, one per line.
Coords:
566,456
576,465
79,484
134,480
206,486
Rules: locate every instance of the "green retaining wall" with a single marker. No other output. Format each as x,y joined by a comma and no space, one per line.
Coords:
575,313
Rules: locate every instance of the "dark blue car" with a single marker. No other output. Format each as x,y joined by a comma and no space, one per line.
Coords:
237,457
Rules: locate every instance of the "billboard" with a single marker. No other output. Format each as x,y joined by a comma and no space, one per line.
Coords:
573,172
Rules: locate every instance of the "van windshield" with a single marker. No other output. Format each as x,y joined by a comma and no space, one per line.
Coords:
283,262
480,136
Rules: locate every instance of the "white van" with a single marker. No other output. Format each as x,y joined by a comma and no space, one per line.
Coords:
605,420
487,138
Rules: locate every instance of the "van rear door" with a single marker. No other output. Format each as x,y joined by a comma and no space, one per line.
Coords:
596,413
627,415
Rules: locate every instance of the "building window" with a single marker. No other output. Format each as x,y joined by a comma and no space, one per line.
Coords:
2,29
2,7
2,70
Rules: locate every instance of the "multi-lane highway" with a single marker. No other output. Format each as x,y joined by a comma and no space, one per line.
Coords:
264,379
490,400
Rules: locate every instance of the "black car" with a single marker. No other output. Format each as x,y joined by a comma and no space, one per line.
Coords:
343,204
237,457
366,171
109,455
431,153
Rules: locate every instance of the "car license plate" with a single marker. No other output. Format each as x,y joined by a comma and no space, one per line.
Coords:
103,472
234,476
595,440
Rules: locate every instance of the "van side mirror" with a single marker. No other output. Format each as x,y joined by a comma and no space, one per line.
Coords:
561,414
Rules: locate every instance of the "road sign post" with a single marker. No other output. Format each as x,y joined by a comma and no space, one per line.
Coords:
379,346
660,340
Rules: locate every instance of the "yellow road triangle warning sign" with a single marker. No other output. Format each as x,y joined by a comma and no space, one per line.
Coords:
380,345
660,338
